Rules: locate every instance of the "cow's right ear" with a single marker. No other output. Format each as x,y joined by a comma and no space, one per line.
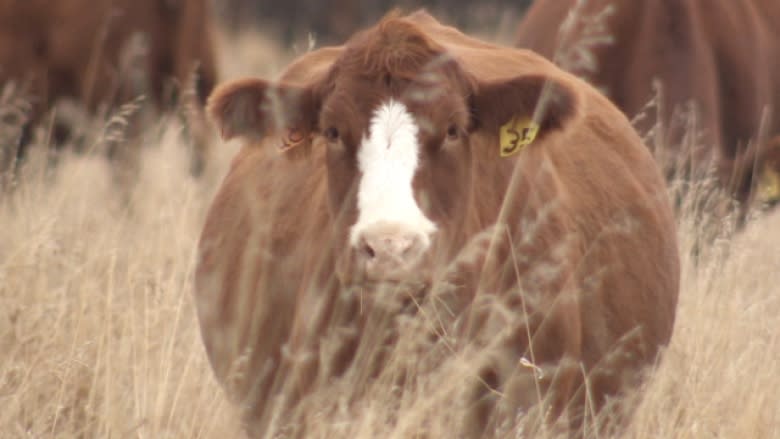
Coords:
521,110
254,108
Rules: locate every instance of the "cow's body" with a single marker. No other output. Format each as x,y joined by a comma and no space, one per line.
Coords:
389,195
721,56
107,52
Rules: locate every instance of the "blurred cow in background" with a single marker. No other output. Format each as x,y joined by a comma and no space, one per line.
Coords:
104,54
717,69
332,22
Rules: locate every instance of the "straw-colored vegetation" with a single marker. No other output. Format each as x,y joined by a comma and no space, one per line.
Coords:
98,336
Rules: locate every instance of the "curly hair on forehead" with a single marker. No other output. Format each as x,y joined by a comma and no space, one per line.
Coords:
395,47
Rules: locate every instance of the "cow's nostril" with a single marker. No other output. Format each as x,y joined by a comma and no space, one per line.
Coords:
411,247
407,251
367,250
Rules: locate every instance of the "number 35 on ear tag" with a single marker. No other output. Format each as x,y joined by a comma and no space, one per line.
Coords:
516,134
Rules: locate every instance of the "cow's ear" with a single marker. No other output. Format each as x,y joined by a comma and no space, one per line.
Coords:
521,110
255,108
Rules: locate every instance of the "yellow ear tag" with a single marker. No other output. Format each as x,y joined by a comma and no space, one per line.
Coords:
516,134
769,186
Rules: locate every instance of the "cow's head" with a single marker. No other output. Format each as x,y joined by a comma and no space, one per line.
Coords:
401,119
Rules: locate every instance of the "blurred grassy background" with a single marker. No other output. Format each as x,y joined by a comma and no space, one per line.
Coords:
98,336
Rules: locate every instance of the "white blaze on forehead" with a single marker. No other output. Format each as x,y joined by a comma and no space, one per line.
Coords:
388,160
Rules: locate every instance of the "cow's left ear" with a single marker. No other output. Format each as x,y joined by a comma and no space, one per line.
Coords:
254,108
521,110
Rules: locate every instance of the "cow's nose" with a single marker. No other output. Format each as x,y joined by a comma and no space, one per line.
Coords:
388,252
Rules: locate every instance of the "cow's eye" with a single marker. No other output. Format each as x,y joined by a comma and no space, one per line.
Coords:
332,134
452,132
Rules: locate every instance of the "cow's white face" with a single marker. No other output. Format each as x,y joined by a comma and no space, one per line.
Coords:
398,172
388,159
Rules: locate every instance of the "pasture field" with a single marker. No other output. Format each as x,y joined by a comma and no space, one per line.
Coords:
98,335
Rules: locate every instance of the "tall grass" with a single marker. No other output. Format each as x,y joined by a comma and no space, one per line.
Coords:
98,336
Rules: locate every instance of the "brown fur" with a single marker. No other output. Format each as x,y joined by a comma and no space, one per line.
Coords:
724,56
586,261
75,49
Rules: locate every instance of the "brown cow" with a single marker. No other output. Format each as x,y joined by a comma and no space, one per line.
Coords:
723,56
418,173
107,52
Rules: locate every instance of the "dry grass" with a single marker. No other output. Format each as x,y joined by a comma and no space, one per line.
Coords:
98,336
